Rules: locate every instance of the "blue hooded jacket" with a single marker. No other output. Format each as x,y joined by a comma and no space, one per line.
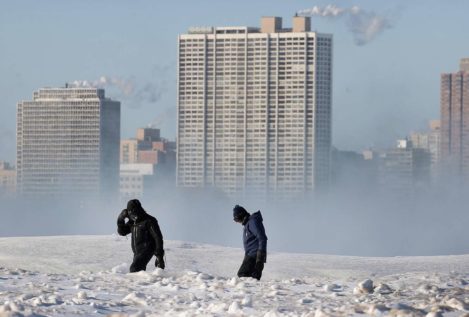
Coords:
254,237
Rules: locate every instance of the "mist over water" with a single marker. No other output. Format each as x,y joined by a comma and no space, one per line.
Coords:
355,221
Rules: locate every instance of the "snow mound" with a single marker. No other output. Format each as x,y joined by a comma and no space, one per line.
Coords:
199,281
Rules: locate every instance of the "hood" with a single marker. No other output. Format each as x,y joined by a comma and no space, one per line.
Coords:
135,210
257,216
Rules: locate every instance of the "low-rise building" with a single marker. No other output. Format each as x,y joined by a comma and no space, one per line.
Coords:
133,178
147,150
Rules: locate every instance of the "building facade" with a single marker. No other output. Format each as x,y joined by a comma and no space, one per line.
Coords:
430,142
68,143
254,108
405,170
148,163
454,107
7,180
133,180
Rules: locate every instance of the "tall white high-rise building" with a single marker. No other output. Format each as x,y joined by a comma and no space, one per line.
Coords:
254,108
68,143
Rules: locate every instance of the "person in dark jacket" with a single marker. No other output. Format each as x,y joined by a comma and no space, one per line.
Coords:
254,241
146,240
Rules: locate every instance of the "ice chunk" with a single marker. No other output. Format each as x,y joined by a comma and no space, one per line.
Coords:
233,281
247,301
457,304
377,309
305,301
428,289
135,298
383,289
120,269
82,295
364,287
332,288
217,308
235,308
203,277
159,272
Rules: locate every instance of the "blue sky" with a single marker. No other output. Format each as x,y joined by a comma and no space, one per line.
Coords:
382,90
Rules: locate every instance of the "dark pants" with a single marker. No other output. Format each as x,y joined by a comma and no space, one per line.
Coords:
140,262
249,268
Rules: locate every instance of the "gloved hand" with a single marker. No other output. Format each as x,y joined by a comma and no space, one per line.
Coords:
258,270
261,258
159,262
123,214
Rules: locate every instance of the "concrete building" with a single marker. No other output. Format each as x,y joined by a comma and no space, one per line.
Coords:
7,180
455,122
133,180
430,142
130,148
68,143
147,149
254,109
129,151
354,172
404,169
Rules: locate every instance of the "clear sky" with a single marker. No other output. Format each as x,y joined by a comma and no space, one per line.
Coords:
382,90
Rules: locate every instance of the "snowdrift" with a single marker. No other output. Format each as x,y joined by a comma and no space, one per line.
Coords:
87,275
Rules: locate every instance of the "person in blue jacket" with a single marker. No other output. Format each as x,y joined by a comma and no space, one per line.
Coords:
254,241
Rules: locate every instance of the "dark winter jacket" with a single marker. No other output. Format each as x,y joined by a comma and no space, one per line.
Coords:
146,234
254,237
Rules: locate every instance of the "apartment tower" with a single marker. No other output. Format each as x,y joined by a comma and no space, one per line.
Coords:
254,108
455,122
68,143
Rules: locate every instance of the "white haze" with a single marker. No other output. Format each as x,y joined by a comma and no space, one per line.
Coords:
353,219
364,25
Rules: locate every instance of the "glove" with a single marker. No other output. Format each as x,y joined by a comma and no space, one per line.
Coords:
261,256
159,262
257,273
123,214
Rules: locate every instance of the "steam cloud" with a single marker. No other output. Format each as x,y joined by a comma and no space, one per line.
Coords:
126,87
165,116
364,25
149,92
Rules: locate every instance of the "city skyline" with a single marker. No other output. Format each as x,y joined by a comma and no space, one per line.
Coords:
135,48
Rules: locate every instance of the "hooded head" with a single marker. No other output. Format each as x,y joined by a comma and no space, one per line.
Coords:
239,213
134,209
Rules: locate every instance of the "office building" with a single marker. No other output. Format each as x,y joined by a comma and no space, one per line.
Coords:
455,122
405,170
68,143
254,109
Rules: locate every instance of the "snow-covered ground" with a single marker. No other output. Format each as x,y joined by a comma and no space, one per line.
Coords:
87,275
